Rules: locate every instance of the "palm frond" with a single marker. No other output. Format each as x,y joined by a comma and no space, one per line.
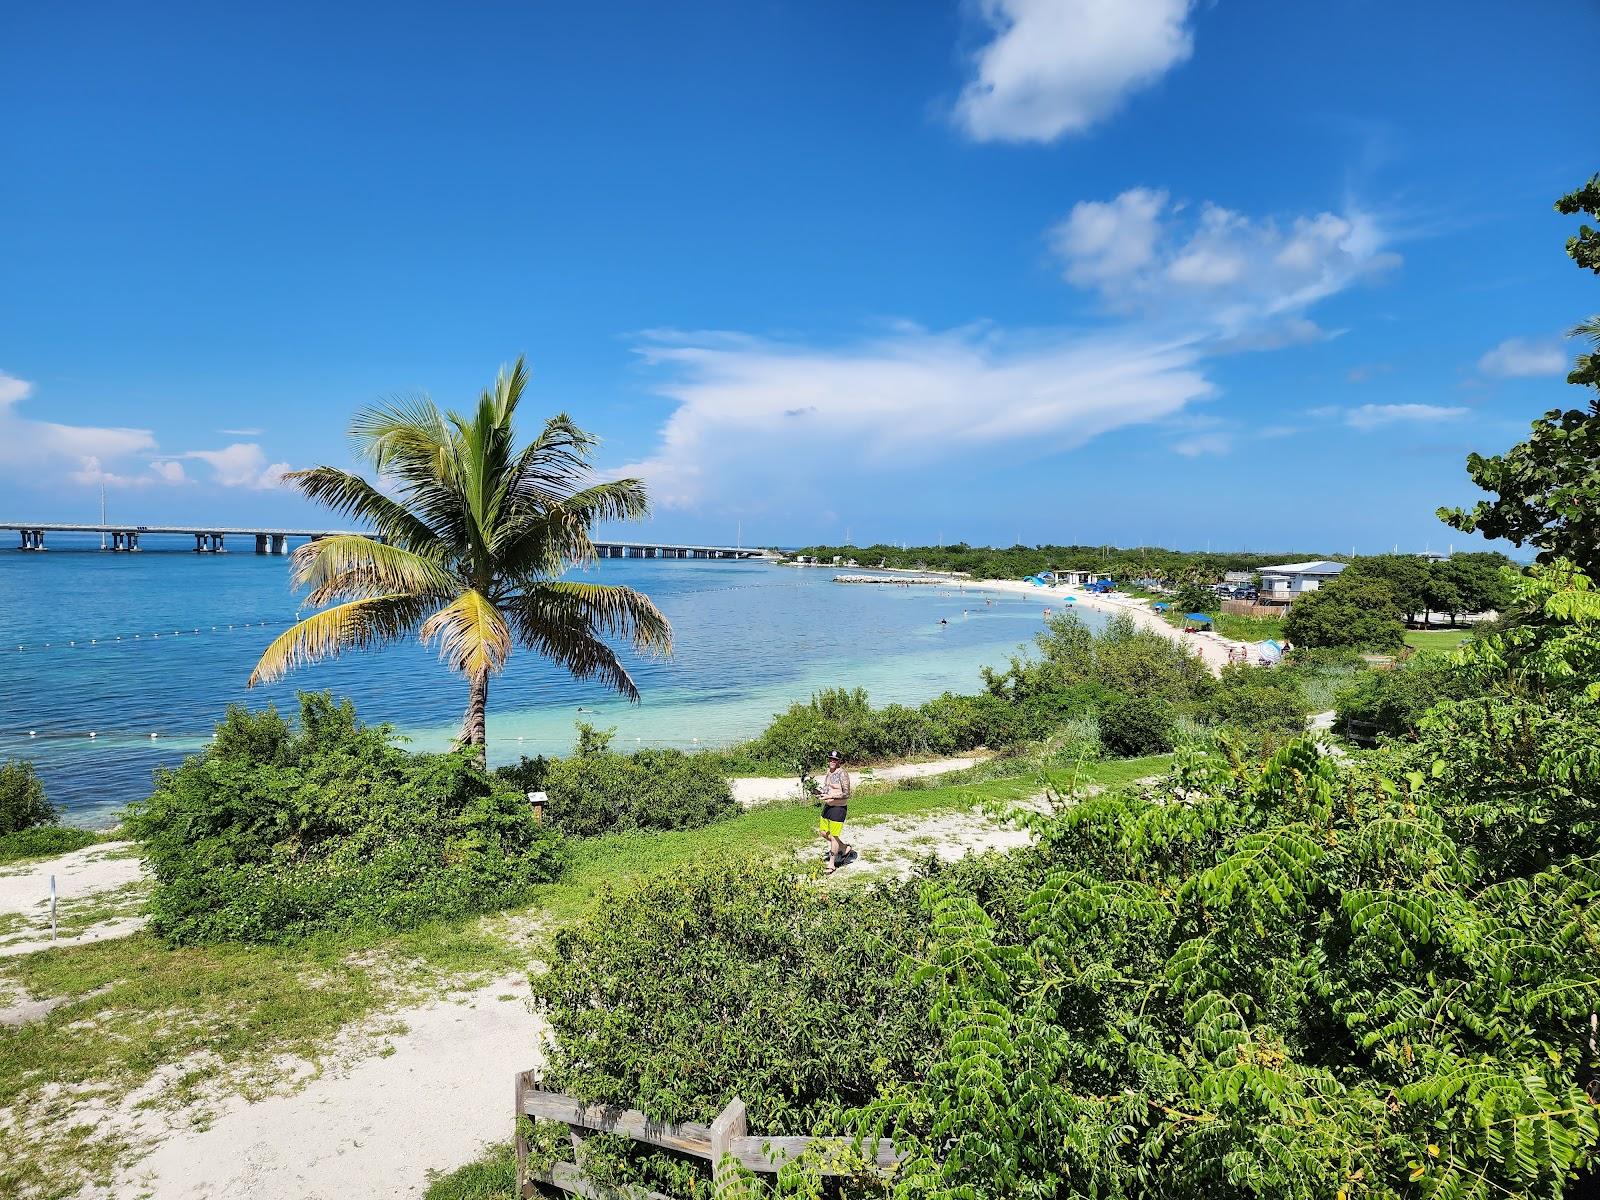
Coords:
614,612
471,633
569,622
353,496
409,427
358,625
347,566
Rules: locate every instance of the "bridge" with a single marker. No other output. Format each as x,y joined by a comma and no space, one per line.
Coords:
210,539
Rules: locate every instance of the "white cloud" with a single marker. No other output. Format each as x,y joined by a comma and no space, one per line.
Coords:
1219,442
1059,66
241,465
40,449
1235,272
788,423
241,432
780,425
1105,242
1372,416
46,452
91,473
1518,357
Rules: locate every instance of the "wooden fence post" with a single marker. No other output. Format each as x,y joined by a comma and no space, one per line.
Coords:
726,1171
521,1142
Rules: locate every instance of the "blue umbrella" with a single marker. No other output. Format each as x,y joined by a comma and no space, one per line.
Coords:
1197,617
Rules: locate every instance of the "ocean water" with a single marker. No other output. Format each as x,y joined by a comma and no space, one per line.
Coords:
123,646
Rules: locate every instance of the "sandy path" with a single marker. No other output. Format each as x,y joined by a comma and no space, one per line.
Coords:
93,869
753,791
82,878
374,1127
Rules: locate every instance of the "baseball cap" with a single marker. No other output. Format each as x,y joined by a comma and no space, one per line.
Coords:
835,756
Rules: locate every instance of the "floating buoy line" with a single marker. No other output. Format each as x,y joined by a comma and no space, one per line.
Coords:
128,639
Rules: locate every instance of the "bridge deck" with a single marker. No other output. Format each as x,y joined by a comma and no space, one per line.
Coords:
607,547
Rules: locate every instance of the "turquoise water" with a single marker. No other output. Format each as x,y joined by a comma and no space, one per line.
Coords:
123,646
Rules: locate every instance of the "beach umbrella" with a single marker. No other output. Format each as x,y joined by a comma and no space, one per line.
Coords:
1197,617
1161,606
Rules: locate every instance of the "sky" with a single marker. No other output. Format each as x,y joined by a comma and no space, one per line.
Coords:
1106,271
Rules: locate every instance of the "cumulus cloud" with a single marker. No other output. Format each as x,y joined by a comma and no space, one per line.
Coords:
1141,251
241,465
1373,416
783,423
1520,357
39,449
1053,67
45,452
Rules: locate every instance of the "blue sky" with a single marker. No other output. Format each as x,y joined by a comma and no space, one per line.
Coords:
1068,270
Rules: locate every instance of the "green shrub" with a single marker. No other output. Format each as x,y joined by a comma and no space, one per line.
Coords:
965,722
1392,703
599,791
43,841
1133,726
274,832
736,979
526,774
1258,701
22,800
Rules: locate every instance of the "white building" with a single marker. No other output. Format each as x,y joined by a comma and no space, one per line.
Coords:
1287,580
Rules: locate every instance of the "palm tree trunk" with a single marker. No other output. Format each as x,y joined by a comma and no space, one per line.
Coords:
474,730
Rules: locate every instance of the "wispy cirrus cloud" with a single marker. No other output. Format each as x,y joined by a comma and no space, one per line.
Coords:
785,421
1054,67
1517,358
1376,416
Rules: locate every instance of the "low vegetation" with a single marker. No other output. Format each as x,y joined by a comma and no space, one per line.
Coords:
597,790
29,825
275,832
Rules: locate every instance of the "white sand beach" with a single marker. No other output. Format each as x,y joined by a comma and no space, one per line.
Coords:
1213,648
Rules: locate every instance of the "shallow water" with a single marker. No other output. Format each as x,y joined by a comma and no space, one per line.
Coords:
123,646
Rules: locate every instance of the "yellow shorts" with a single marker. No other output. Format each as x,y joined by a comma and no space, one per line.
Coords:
833,828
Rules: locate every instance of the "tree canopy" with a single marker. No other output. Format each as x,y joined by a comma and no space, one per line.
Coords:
1357,613
1547,488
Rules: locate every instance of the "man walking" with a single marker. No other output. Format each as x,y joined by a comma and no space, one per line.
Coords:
835,792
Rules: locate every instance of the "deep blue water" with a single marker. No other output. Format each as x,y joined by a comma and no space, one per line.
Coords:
123,646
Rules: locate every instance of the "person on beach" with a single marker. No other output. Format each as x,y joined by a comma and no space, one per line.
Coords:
835,792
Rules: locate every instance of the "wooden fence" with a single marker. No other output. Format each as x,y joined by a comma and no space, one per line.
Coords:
725,1143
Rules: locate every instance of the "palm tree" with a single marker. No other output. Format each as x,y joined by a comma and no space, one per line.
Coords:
469,549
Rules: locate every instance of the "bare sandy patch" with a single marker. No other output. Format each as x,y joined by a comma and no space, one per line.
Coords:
751,792
418,1090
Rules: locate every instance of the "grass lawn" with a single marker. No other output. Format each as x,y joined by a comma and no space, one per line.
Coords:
1441,640
1239,628
222,1014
